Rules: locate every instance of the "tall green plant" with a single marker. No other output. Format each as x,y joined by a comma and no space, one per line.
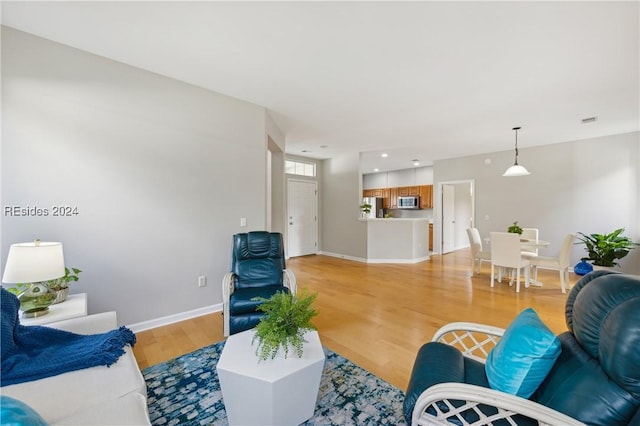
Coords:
606,249
287,318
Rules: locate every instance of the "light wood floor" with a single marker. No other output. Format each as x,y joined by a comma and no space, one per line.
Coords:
378,315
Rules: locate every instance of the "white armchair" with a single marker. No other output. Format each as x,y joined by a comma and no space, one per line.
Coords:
473,374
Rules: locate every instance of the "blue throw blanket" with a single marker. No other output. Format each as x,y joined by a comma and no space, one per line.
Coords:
34,352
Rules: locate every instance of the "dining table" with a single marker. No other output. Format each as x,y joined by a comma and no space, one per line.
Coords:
529,243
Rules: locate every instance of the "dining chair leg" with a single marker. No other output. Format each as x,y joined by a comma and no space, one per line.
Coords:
517,280
492,270
563,277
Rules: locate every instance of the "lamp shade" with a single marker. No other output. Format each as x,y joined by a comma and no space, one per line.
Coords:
34,262
516,170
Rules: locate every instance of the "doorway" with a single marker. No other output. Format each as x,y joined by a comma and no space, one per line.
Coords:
454,214
302,217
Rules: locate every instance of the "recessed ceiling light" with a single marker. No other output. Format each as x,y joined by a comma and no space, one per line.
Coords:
305,150
416,162
376,170
384,155
589,119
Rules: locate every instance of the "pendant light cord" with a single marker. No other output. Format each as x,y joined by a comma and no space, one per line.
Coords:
516,129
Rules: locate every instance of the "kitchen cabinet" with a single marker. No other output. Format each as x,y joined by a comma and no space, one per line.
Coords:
373,192
393,198
407,191
386,198
426,196
390,195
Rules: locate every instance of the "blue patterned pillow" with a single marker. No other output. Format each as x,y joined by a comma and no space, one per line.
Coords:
17,413
523,357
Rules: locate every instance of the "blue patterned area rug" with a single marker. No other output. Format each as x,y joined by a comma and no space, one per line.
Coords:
186,391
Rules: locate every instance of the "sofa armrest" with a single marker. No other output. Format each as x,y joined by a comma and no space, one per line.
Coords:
447,403
472,339
90,324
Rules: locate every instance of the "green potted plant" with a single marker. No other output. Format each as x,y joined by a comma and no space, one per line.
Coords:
606,249
515,229
287,318
366,209
61,285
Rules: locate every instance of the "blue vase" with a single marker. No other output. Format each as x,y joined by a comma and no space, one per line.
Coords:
583,268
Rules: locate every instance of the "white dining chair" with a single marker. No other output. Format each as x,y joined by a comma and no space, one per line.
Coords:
478,254
532,235
505,253
560,263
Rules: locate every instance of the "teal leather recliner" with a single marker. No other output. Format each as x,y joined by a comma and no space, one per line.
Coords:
595,380
257,271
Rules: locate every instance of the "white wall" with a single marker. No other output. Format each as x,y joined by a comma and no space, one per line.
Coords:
588,186
160,171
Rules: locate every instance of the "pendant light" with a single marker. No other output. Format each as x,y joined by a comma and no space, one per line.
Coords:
516,169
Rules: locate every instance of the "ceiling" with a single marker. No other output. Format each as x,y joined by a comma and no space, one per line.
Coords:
417,80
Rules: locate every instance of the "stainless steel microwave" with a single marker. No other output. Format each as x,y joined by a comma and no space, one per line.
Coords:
412,202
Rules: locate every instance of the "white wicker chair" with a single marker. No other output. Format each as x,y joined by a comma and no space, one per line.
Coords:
441,404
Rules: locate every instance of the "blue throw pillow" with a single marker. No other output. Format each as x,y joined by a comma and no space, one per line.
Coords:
523,357
17,413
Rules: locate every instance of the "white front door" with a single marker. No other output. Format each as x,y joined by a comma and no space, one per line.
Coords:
448,218
302,231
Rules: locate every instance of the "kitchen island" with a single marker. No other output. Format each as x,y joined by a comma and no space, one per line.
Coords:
397,240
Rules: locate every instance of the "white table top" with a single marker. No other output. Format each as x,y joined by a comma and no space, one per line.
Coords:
75,306
526,243
239,356
533,243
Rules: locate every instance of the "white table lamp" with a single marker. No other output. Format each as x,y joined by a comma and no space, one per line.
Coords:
33,263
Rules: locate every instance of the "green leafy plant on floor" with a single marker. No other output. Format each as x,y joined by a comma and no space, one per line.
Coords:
515,229
606,249
287,318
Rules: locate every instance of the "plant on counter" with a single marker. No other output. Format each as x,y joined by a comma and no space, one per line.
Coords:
287,318
606,249
366,208
515,229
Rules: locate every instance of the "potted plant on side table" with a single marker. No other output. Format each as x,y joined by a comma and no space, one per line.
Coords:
604,250
287,319
61,285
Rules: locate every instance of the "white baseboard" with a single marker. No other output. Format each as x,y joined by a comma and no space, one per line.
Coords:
343,256
170,319
359,259
420,259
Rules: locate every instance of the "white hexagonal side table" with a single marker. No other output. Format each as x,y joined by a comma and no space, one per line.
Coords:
274,392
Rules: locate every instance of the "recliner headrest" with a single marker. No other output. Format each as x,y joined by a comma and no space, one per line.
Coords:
603,313
258,245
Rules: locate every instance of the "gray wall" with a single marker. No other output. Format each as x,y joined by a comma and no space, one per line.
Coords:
341,231
588,186
160,172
